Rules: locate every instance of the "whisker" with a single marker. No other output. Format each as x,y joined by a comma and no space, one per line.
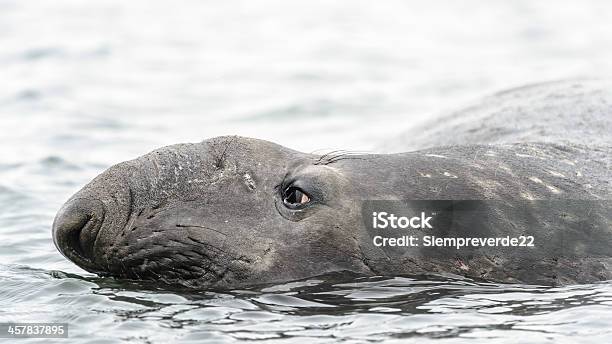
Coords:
337,155
200,226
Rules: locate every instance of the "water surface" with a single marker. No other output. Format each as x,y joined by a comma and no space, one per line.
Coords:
86,84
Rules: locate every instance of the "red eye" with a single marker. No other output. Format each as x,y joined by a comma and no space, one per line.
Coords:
294,197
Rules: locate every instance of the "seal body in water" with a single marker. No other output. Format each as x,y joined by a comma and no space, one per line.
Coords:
232,211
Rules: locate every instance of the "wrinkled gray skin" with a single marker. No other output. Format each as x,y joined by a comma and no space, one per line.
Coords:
210,214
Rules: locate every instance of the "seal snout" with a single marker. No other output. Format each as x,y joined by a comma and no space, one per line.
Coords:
75,230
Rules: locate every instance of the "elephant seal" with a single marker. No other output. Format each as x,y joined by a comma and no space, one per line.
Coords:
234,211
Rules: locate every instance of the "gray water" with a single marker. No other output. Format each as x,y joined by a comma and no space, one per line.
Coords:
86,84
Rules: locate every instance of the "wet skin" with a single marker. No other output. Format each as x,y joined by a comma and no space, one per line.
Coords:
234,211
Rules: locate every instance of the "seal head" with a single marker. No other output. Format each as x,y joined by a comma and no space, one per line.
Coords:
227,211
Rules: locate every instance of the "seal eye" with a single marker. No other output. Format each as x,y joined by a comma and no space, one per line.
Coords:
294,197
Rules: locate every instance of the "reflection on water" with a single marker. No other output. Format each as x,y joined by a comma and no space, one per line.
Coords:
88,84
335,307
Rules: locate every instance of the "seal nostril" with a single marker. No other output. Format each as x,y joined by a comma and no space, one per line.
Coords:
73,236
75,230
